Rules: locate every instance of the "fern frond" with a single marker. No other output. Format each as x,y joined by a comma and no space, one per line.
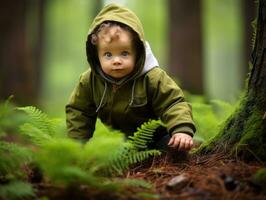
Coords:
72,174
122,163
136,157
12,156
118,163
39,119
6,107
144,135
60,161
9,119
40,128
136,149
36,136
17,190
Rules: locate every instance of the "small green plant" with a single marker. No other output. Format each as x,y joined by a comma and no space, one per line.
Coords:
10,120
144,134
40,128
13,157
136,149
66,161
260,177
17,190
209,117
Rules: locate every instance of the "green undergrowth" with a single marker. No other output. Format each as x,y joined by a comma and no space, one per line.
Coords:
260,176
209,118
13,180
242,134
9,119
99,163
221,138
17,190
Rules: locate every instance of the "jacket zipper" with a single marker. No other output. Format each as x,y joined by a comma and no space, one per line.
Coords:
114,90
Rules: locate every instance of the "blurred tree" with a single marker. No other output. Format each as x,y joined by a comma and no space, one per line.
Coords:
185,54
20,62
244,132
97,6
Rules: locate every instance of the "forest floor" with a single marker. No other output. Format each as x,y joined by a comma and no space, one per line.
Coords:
203,177
186,177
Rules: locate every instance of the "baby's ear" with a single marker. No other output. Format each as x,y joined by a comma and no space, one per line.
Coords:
94,39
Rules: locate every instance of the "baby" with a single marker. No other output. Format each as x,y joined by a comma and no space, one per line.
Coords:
124,85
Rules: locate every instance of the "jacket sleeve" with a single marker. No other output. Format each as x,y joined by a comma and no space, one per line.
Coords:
169,104
80,110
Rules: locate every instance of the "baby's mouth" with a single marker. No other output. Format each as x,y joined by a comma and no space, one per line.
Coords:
117,69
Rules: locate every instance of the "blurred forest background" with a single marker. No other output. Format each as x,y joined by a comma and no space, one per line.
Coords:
204,44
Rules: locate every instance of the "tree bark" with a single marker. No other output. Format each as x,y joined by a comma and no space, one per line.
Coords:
244,133
248,8
20,63
185,54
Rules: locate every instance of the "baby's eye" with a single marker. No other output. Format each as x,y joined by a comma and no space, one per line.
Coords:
125,53
107,55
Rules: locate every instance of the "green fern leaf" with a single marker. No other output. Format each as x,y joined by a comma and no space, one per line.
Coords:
41,129
9,119
17,190
144,135
39,119
36,135
12,156
135,157
136,149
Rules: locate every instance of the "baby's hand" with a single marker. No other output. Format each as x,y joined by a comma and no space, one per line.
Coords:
181,141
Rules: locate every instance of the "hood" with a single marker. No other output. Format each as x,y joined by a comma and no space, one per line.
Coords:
145,61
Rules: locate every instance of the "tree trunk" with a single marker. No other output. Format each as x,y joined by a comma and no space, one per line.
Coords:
248,8
244,133
185,54
97,6
20,60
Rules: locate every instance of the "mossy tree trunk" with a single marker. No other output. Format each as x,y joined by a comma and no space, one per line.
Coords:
244,133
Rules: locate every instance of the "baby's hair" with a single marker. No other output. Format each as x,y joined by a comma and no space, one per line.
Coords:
104,28
104,31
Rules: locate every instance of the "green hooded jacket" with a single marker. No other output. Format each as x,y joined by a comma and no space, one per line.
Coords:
148,93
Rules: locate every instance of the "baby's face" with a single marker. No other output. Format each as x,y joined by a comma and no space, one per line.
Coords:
117,57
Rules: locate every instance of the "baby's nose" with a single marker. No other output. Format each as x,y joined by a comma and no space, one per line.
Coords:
116,60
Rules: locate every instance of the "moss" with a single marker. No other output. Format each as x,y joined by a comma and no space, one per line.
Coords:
260,176
207,147
252,141
259,179
242,134
226,134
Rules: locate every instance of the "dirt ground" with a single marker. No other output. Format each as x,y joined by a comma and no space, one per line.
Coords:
206,177
213,177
